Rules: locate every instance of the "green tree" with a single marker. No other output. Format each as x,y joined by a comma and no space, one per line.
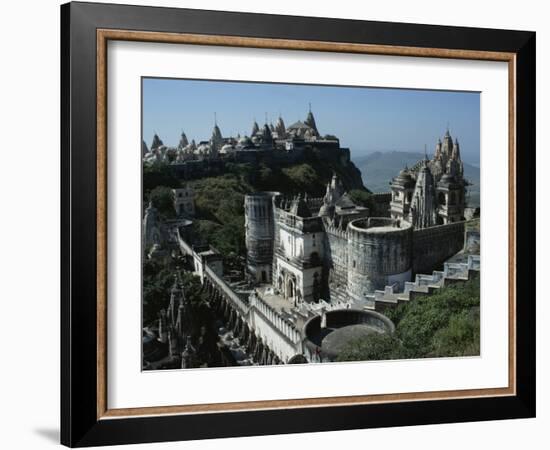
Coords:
362,198
375,346
163,199
158,279
460,337
158,174
220,212
442,324
243,171
302,177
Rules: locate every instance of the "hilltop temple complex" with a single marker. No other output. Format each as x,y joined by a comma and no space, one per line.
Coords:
268,138
320,271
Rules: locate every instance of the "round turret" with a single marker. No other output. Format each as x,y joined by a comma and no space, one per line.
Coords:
379,254
259,235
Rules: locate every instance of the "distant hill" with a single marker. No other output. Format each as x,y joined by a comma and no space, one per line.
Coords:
378,168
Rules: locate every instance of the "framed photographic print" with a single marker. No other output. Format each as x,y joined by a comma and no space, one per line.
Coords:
276,224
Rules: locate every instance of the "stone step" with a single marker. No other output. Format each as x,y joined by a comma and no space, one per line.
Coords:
425,284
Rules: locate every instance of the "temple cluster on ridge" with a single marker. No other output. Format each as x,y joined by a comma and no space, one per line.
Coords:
266,138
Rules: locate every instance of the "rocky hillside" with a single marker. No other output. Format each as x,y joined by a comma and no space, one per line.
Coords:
220,199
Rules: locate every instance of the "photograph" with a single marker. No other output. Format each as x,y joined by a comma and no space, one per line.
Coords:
271,223
300,223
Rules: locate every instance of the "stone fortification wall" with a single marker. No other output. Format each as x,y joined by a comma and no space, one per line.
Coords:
379,253
336,252
472,242
433,246
277,332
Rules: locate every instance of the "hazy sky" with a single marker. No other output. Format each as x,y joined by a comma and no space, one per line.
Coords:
365,119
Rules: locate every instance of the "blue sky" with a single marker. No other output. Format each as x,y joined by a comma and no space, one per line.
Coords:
365,119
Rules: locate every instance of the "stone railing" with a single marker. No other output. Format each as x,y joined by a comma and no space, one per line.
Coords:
220,284
283,325
381,196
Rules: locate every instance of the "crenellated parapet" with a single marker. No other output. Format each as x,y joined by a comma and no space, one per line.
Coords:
283,324
336,231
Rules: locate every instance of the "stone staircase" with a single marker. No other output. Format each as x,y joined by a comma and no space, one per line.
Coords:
453,271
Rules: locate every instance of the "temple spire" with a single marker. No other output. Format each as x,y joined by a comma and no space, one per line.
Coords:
183,141
157,142
310,121
255,128
423,208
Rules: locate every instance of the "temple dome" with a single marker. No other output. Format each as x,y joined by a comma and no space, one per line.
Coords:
299,125
227,148
404,179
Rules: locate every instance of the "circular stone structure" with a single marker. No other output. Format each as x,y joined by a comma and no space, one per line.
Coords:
329,333
379,254
259,234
